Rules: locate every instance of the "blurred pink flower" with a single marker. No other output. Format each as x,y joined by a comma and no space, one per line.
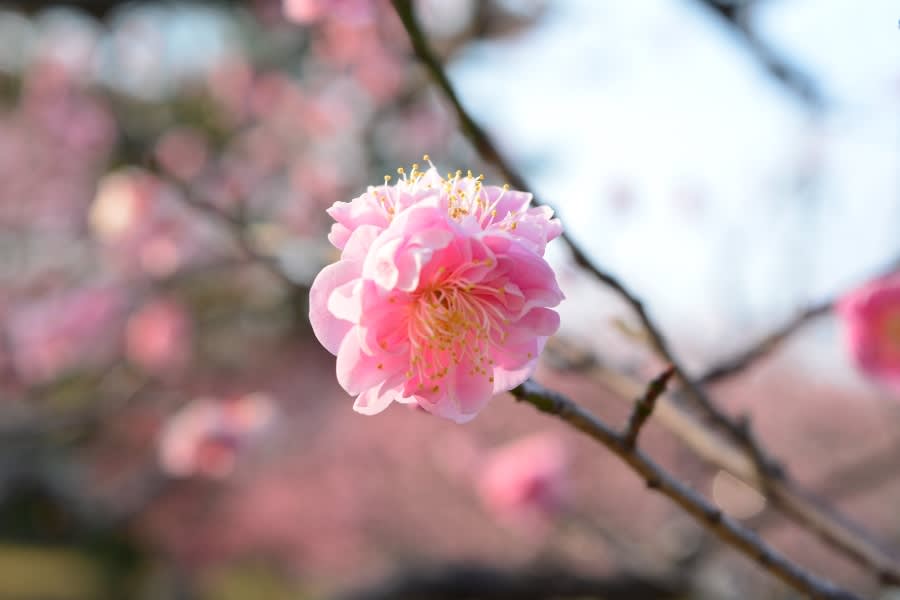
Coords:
205,437
182,152
123,202
58,333
441,294
139,218
527,479
310,11
158,337
871,317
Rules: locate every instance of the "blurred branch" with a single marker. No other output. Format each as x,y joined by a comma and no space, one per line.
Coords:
97,8
237,228
723,526
734,15
764,347
455,581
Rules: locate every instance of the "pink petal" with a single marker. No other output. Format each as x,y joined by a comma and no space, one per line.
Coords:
329,330
374,400
358,243
358,371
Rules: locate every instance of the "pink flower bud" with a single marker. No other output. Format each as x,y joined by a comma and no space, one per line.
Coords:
871,316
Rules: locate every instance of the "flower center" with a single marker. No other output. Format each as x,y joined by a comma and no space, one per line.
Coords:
451,324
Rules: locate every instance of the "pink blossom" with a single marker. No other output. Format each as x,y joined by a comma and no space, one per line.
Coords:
182,152
158,336
441,296
526,479
310,11
206,436
871,316
57,333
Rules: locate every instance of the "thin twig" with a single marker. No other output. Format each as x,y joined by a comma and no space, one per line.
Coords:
764,347
643,406
237,229
727,529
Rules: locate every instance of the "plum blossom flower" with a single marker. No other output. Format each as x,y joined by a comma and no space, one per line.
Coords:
526,479
67,331
441,296
158,337
205,437
871,316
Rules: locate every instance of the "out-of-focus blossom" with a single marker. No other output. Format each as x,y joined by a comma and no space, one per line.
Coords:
206,437
135,213
441,297
122,203
310,11
527,480
59,333
158,337
230,84
182,152
871,316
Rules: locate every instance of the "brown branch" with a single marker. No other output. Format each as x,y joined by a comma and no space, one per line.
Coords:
764,347
236,227
788,496
768,473
97,8
727,529
644,405
535,582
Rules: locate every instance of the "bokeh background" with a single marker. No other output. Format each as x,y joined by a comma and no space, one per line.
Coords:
169,428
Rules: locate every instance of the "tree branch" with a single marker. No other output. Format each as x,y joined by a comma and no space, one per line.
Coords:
236,228
723,526
770,476
764,347
455,581
792,499
643,407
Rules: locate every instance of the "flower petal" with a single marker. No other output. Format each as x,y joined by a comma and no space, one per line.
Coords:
358,371
328,329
